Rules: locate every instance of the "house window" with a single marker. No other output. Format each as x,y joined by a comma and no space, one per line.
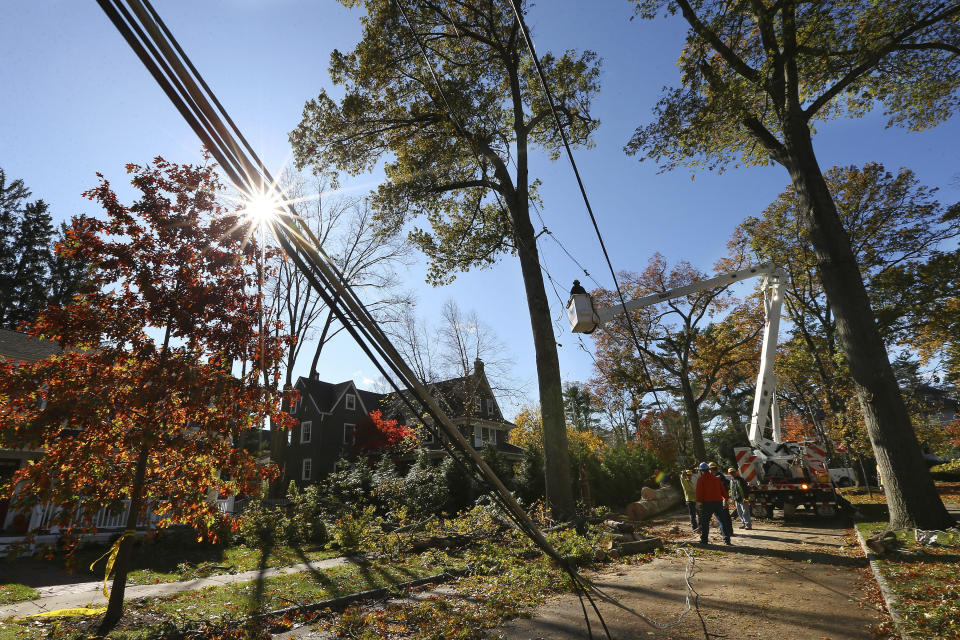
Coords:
493,436
477,438
349,433
293,406
290,436
306,432
491,407
307,469
351,401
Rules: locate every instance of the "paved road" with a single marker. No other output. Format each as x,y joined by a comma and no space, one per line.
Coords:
799,581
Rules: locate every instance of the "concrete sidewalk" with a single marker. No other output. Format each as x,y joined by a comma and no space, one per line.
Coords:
84,594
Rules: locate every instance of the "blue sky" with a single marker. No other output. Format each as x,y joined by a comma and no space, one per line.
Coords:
76,101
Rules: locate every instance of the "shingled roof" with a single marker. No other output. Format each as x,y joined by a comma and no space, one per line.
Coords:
20,347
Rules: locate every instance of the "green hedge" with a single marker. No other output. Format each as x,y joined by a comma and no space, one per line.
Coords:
948,472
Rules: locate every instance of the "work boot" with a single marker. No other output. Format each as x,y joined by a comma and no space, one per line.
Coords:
727,542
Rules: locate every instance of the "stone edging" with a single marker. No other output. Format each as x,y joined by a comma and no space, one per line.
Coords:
889,599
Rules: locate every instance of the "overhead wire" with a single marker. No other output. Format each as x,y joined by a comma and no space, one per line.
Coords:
583,191
586,200
249,174
581,586
192,98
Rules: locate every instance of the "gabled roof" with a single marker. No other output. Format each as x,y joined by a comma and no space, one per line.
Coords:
454,395
20,347
326,395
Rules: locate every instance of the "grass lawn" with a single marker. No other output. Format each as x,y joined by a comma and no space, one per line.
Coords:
924,580
235,601
171,557
505,581
13,592
949,492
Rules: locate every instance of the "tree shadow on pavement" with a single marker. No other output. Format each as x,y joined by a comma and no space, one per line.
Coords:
798,555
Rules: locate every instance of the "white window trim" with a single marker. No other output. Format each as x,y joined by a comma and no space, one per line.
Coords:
306,469
350,401
491,407
306,432
493,435
353,433
477,438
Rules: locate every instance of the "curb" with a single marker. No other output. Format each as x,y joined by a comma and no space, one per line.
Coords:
889,599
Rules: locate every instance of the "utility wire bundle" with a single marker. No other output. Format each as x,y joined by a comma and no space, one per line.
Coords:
145,32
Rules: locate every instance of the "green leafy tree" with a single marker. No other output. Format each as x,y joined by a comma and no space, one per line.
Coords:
69,271
756,77
458,158
895,226
578,405
32,275
12,197
426,492
25,254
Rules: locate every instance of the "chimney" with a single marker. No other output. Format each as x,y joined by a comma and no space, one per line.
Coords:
478,368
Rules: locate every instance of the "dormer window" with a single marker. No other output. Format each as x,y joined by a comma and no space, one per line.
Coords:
491,407
351,402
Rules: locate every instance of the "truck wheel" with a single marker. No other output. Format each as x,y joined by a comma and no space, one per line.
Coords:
845,482
768,512
789,510
826,510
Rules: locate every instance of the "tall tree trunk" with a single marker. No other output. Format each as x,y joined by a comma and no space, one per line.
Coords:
555,459
693,418
122,565
911,494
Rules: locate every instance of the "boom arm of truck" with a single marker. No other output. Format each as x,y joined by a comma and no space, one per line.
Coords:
585,317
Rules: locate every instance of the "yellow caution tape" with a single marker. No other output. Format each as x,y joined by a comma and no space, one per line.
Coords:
79,611
111,556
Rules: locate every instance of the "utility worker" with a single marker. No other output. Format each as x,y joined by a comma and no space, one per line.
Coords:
724,513
712,498
738,493
688,483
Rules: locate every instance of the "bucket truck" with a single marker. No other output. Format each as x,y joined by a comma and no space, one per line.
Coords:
782,475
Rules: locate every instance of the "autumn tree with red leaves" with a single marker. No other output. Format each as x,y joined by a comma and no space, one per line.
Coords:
384,434
145,401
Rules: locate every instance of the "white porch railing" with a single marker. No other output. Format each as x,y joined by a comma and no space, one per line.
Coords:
45,516
42,516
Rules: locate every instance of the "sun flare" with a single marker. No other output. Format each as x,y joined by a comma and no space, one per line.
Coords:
260,209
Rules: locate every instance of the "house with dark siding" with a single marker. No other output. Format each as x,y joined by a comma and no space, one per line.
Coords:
330,415
18,347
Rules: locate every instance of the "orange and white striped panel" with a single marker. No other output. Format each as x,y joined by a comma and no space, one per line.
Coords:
745,463
816,458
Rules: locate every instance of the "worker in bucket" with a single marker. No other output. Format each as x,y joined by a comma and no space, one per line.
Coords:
712,498
738,493
688,483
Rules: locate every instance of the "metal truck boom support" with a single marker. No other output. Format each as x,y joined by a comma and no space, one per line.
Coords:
585,318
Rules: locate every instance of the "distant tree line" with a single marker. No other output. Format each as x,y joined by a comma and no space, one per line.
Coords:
32,274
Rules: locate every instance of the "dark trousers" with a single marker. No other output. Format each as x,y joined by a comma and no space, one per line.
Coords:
719,509
692,509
